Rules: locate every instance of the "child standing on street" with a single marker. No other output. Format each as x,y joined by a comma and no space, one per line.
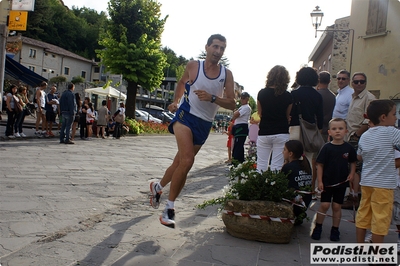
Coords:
298,171
378,176
229,142
333,173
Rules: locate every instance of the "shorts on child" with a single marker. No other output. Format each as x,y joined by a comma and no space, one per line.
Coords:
199,127
396,207
333,194
375,210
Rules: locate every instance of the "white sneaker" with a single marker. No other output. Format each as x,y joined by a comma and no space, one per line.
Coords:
167,218
17,135
23,135
368,237
155,195
11,137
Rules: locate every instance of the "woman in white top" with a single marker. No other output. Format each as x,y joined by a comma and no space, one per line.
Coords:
89,120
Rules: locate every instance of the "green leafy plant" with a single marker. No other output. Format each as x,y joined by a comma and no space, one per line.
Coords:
134,126
246,183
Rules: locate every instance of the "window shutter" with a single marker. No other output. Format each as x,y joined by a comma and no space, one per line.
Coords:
382,16
377,16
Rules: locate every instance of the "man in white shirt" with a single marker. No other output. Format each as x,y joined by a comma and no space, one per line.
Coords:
240,129
343,98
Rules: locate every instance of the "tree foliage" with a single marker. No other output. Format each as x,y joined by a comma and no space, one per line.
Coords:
175,63
76,31
77,79
132,45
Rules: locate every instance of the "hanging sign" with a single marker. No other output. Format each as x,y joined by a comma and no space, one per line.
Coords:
17,20
23,5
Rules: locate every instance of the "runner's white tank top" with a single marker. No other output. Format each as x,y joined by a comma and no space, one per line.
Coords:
215,86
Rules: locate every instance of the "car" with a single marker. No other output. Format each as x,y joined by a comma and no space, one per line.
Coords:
154,111
150,117
139,116
166,118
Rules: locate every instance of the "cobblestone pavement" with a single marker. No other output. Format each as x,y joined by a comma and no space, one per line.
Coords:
87,204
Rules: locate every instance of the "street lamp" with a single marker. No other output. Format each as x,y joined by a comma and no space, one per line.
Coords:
316,18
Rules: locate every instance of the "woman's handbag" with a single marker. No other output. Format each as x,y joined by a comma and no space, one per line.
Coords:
310,135
120,118
17,105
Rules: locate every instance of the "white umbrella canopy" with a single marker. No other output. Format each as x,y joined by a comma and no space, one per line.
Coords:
109,91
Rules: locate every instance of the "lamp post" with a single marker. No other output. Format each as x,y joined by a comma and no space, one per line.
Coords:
316,18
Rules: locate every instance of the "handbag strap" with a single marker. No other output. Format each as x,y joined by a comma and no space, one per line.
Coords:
299,109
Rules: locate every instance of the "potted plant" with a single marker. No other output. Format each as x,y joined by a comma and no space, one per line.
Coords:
253,204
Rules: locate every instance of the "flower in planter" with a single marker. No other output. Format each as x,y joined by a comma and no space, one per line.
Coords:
246,183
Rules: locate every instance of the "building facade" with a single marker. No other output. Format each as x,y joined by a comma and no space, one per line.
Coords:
371,45
50,61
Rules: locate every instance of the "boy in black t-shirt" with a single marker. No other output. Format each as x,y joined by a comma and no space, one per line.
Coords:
333,173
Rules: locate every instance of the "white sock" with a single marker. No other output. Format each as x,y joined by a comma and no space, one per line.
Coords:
170,204
159,187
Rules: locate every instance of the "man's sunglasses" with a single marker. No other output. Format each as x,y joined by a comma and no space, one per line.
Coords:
358,81
341,78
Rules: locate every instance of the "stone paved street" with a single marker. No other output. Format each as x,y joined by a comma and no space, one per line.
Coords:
87,204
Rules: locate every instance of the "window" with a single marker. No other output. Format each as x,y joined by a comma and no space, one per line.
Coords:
53,55
83,74
66,71
377,16
44,70
97,70
45,54
31,68
32,53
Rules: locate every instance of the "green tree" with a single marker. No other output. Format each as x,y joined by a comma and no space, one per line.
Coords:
77,79
253,104
76,31
132,45
174,63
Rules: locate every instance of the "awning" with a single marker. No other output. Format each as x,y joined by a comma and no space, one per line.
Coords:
109,91
19,72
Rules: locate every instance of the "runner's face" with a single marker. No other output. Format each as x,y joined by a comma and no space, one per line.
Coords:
216,50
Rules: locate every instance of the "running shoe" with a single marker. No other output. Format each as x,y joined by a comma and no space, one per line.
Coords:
38,134
17,135
11,136
23,135
155,195
167,218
